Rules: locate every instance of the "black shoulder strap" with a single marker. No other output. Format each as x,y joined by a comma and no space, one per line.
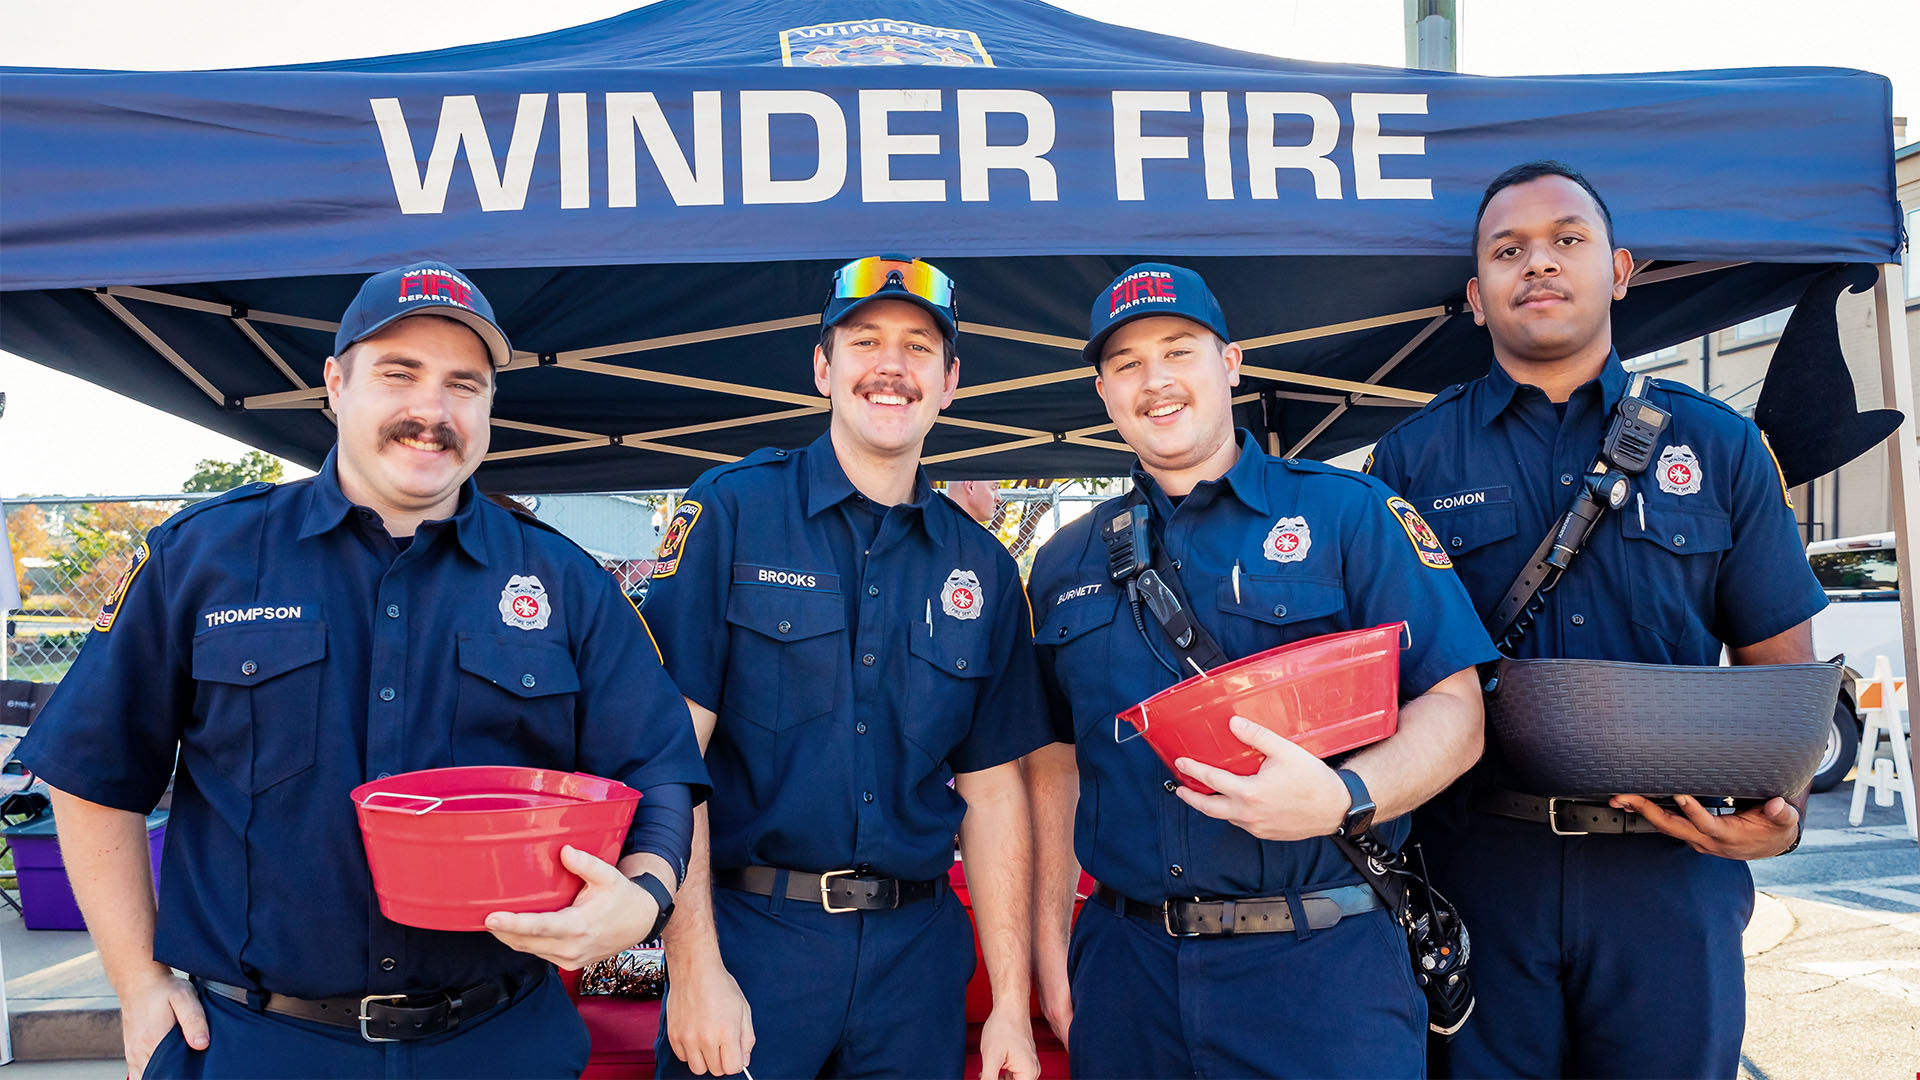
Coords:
1166,596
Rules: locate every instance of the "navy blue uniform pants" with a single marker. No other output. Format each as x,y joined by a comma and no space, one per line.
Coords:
1593,956
1331,1003
878,993
537,1033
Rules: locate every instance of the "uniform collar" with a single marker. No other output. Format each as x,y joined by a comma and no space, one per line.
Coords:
827,486
1498,388
1246,478
328,506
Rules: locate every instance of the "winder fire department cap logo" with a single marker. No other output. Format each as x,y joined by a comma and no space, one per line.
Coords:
960,596
1289,541
523,603
1678,471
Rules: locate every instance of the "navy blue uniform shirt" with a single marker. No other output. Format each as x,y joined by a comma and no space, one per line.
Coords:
857,657
1320,550
1705,551
289,650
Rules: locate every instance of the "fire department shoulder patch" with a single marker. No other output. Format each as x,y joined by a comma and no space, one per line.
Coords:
1425,543
675,541
111,610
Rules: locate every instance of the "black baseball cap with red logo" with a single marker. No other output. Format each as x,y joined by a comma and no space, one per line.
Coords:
1151,289
431,288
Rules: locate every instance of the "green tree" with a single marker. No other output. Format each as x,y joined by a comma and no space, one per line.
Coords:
212,475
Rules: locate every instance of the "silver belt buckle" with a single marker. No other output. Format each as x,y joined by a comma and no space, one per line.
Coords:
826,901
1553,819
369,999
1166,918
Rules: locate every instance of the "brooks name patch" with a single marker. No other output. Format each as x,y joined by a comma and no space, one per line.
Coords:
749,574
1425,543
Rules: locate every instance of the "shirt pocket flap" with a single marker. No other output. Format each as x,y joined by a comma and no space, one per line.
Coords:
1469,527
527,669
960,654
1074,618
252,655
1683,532
1279,600
786,614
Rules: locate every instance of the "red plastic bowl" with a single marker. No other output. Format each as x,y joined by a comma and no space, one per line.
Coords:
447,846
1328,694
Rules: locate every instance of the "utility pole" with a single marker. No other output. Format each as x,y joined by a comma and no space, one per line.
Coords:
1433,34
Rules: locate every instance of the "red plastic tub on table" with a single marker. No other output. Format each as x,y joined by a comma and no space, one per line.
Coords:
447,846
1327,694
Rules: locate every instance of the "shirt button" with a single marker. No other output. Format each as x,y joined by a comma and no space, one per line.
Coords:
1170,786
1679,540
1063,631
866,796
393,611
1176,870
785,627
527,681
383,776
1456,541
867,660
860,728
1578,620
388,964
779,453
960,664
1279,609
1566,478
386,693
873,590
249,667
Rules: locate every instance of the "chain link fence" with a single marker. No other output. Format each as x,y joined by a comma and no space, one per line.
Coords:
70,552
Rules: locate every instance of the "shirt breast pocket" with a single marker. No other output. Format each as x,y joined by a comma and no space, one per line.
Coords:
515,704
944,683
1078,634
789,647
1303,606
1672,563
1469,528
258,701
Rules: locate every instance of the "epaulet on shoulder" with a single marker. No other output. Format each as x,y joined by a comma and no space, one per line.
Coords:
766,455
1684,390
1309,465
1451,393
227,498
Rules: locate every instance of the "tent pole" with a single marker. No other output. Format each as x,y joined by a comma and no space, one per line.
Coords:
1903,464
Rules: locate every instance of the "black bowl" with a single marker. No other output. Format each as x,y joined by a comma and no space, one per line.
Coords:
1596,728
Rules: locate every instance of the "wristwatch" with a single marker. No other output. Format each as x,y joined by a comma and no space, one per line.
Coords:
1360,812
664,897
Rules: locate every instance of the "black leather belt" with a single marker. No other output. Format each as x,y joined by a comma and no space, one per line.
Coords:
1255,915
836,890
1566,817
379,1017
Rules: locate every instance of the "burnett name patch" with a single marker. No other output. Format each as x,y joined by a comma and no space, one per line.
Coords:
111,610
676,539
1425,543
749,574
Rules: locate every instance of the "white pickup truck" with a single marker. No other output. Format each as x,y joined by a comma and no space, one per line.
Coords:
1861,575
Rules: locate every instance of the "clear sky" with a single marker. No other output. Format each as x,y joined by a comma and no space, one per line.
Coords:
54,436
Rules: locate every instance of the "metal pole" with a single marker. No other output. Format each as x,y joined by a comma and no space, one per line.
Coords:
1433,35
1903,453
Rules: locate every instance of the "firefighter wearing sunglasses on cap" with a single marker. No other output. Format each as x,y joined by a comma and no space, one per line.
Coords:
857,657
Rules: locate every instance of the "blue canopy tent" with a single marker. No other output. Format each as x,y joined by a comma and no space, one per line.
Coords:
653,203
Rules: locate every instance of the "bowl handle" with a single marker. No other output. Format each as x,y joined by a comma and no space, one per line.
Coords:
433,802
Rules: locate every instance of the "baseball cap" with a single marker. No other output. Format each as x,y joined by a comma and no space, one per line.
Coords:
1151,289
892,277
432,288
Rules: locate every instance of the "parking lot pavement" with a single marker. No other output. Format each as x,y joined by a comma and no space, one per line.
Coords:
1839,993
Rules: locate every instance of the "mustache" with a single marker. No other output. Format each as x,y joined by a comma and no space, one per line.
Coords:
1157,400
881,384
1541,290
441,433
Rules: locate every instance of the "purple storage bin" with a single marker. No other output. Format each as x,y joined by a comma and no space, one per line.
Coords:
46,897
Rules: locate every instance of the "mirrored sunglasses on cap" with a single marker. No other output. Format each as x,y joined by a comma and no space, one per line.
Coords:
861,278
